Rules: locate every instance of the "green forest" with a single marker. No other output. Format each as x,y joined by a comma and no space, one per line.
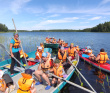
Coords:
102,27
3,28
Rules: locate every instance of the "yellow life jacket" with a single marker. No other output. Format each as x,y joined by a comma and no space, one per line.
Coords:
62,58
42,48
47,40
21,54
46,66
71,51
25,83
103,57
40,55
16,44
58,71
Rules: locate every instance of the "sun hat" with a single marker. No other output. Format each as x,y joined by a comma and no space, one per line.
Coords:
29,71
72,43
44,54
88,47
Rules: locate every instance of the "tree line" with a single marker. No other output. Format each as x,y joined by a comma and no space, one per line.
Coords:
3,28
102,27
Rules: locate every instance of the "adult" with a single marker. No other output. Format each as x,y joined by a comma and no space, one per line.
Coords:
43,69
102,57
88,51
14,50
71,52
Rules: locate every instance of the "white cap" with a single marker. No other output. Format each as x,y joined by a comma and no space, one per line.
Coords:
40,48
89,51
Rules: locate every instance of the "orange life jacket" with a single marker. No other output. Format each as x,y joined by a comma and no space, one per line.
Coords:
62,58
54,41
58,71
46,66
1,83
25,83
16,44
77,48
42,48
47,40
71,51
21,53
38,55
103,57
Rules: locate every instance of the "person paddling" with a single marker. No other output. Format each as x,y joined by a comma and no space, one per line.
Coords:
14,51
43,69
26,82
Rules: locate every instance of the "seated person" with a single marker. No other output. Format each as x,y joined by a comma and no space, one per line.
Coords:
38,54
102,57
62,55
77,48
6,83
42,45
71,52
47,40
26,82
59,41
54,41
22,57
88,51
58,71
43,69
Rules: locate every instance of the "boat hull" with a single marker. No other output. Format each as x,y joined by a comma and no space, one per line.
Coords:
46,45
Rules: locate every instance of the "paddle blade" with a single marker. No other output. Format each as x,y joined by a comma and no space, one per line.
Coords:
85,55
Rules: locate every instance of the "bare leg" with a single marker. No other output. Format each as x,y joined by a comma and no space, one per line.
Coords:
33,90
59,81
45,77
38,73
53,81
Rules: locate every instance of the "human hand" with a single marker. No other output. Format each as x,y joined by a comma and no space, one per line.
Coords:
12,55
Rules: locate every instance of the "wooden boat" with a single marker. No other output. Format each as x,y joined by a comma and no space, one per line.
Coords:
104,67
51,45
5,65
41,88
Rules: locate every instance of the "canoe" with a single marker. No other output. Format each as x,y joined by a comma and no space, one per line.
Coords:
5,65
41,88
104,67
51,45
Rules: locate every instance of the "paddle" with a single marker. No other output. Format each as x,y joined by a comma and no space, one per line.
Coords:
69,82
82,75
21,45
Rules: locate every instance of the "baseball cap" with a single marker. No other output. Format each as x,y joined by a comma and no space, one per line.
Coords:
44,54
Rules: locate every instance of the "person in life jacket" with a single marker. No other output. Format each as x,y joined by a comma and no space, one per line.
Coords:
26,82
47,40
71,52
102,57
38,54
88,51
62,55
43,69
59,41
6,83
22,57
77,48
54,41
42,45
58,71
14,51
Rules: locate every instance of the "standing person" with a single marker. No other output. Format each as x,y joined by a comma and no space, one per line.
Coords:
14,50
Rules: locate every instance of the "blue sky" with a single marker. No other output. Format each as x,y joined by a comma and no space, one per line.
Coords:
54,14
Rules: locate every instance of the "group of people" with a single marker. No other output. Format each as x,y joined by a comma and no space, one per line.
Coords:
101,58
54,41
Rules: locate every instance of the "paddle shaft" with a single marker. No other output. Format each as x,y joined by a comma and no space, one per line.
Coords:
21,45
82,76
69,82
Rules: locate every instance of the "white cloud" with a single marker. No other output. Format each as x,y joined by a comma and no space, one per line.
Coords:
54,15
16,5
95,18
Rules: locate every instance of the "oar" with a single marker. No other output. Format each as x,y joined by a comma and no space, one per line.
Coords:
82,76
21,45
13,56
69,82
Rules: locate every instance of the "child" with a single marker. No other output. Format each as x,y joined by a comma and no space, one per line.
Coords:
42,45
26,82
58,71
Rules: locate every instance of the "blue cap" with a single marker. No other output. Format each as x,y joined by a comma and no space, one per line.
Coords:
29,71
44,54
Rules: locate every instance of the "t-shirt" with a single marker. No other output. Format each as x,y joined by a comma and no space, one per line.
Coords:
14,49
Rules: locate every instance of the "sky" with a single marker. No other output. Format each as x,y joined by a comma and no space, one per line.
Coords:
54,14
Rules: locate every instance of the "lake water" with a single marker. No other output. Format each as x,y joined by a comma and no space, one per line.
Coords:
30,41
